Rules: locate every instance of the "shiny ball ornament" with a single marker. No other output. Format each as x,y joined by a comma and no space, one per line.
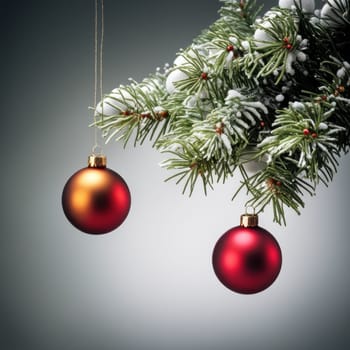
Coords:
247,259
96,199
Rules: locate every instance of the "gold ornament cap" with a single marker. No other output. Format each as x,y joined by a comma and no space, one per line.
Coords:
97,161
249,220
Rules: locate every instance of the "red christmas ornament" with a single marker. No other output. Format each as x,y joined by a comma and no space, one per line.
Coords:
96,199
247,259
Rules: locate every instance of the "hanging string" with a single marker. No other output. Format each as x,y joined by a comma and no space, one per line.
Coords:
101,48
95,54
98,69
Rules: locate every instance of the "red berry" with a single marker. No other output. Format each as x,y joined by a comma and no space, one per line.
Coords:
314,135
163,114
270,182
219,128
229,48
204,76
262,124
219,131
306,132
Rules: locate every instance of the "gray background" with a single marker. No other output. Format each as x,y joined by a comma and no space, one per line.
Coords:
149,284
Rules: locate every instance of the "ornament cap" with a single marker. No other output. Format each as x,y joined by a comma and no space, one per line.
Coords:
97,161
249,220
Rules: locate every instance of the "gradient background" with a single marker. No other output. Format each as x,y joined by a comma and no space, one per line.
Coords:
150,284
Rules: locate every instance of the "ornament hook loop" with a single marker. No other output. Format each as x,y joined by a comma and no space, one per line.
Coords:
97,150
246,209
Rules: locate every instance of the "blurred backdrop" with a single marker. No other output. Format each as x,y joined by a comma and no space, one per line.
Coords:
150,284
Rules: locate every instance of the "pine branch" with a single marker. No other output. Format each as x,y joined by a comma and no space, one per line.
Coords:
304,134
136,110
242,12
277,186
213,144
274,91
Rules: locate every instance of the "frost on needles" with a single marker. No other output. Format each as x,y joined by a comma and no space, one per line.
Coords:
265,95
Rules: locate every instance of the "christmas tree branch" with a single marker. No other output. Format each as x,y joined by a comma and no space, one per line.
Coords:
269,91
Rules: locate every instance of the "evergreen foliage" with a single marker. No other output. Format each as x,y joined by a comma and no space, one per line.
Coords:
271,90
